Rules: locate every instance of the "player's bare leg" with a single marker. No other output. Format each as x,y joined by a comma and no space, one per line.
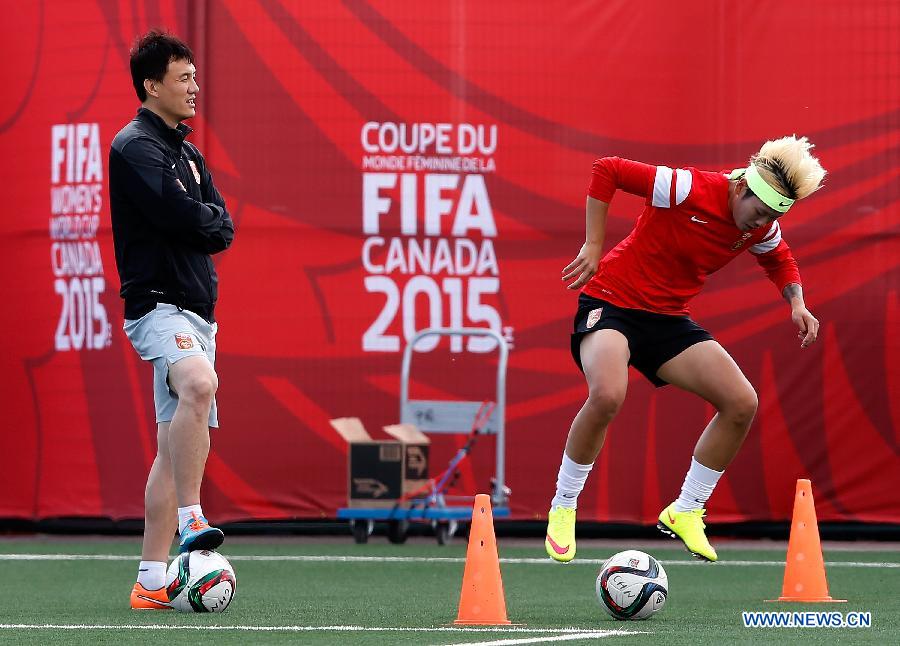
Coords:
194,381
604,357
160,505
708,371
160,524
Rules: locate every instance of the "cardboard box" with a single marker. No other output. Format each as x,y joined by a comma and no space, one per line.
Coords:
379,472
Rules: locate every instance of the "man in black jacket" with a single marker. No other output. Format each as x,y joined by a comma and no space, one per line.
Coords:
167,219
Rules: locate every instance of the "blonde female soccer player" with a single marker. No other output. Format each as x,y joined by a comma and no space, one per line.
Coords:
633,310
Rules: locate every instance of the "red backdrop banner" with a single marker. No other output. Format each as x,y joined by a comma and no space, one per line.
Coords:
394,165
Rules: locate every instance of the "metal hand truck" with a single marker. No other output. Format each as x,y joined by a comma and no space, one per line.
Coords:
470,418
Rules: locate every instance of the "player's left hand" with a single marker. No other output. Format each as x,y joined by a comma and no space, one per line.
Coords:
807,324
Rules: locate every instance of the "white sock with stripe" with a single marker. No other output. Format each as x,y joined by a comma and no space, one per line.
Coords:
570,482
152,574
698,487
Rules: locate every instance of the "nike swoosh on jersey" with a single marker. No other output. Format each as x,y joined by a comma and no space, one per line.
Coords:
694,218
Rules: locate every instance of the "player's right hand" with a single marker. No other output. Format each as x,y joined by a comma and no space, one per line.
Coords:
584,266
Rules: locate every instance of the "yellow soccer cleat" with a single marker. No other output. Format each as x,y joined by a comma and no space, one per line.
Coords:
560,541
688,526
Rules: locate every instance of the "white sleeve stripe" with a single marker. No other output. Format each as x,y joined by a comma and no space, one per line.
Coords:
775,230
683,180
767,245
662,187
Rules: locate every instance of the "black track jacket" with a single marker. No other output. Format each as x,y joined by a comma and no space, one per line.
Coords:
167,218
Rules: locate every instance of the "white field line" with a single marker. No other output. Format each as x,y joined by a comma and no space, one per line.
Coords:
318,558
581,632
595,634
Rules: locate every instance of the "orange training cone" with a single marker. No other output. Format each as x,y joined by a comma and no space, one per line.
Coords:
481,601
804,573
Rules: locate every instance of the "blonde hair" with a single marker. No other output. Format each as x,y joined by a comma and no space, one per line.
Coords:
787,166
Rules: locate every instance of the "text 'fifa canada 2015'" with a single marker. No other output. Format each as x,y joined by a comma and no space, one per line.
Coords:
429,232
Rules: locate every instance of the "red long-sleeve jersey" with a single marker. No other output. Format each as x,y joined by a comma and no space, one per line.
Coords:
685,233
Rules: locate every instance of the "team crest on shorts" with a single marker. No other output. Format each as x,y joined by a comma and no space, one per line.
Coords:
594,316
194,170
184,341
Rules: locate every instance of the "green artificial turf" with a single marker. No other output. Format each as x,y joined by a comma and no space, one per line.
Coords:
704,604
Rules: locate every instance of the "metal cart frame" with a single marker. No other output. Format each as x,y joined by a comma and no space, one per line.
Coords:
445,417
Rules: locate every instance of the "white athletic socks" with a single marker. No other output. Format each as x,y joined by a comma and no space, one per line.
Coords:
185,517
152,574
570,482
698,487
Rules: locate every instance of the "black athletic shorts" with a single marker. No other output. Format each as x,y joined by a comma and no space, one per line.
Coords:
653,338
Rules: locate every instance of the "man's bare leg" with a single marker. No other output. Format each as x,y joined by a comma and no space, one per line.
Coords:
194,381
160,523
160,506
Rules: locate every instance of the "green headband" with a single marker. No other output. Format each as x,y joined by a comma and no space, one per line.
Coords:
770,197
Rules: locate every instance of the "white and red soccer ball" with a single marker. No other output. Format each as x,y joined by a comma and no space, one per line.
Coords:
632,585
200,581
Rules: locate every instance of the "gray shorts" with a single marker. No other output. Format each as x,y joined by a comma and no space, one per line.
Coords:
164,336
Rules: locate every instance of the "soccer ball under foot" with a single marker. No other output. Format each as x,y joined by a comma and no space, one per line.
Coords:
200,581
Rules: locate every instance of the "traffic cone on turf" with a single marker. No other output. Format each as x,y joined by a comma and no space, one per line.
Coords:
804,573
481,601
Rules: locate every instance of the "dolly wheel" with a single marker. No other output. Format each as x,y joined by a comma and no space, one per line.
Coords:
398,531
444,530
361,530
